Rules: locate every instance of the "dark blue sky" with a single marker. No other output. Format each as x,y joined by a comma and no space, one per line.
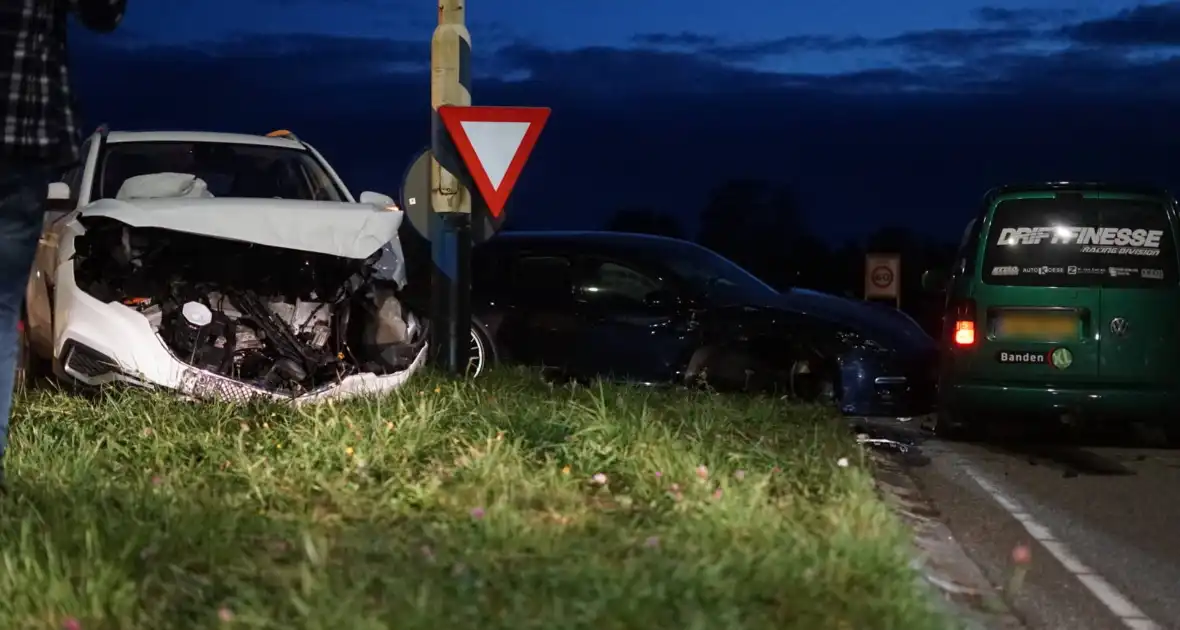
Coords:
873,113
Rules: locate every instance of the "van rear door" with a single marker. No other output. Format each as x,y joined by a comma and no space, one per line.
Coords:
1139,327
1038,300
1103,262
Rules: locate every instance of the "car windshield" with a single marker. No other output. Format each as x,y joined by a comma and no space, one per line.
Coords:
708,272
228,170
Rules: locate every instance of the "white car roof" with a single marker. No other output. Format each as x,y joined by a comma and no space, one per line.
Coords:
201,136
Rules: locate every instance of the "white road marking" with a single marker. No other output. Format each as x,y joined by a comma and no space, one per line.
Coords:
1108,595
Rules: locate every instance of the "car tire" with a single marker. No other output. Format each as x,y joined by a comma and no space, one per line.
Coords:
29,367
484,353
810,380
955,425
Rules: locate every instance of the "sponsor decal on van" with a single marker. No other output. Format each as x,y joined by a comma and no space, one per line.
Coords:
1091,240
1152,274
1044,270
1006,271
1084,271
1029,358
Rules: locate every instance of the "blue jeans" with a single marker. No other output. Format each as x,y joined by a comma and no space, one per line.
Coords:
22,216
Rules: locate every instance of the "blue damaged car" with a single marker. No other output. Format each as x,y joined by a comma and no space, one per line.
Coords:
651,309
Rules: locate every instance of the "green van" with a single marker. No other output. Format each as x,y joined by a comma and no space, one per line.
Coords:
1064,304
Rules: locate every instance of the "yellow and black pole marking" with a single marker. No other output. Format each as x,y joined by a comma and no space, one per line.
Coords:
450,199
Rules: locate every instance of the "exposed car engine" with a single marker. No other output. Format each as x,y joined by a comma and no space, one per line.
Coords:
285,320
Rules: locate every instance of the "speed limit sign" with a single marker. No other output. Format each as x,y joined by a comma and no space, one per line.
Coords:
882,276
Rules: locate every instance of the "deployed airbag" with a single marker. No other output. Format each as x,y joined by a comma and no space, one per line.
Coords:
164,185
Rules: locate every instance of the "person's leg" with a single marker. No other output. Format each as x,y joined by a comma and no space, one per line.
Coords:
22,215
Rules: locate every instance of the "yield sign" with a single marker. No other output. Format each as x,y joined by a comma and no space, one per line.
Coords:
494,143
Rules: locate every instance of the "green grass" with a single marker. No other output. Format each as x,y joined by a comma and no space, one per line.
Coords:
447,506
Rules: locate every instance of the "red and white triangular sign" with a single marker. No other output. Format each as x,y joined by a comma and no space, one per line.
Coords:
494,143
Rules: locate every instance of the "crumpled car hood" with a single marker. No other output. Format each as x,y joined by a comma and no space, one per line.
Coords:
350,230
883,324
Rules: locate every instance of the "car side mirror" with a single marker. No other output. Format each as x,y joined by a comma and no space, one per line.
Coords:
385,202
934,281
57,198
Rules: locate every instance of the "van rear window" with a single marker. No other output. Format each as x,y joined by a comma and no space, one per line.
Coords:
1074,242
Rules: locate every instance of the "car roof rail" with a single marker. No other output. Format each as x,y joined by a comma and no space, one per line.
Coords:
283,133
1128,187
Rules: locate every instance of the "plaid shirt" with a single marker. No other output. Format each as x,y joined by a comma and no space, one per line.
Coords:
36,104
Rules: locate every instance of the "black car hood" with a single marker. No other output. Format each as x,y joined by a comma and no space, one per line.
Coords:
882,324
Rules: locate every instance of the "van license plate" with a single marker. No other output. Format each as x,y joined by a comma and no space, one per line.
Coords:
1043,326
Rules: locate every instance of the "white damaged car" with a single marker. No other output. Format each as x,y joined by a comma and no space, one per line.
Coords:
222,266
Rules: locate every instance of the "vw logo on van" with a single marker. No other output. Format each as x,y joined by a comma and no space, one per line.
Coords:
1119,326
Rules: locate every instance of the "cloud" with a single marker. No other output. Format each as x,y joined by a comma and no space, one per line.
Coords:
660,127
314,55
757,50
1144,25
306,46
362,4
958,43
1153,28
944,43
682,38
1003,54
609,73
1003,16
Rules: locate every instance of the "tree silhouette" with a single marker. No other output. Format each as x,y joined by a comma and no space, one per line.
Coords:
645,221
758,225
891,239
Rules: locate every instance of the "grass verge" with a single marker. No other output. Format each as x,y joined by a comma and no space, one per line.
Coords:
505,503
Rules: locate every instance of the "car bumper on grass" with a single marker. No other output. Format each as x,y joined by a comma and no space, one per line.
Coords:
998,400
99,343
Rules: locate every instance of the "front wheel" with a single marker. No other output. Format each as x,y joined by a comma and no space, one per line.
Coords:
29,367
814,382
482,350
484,353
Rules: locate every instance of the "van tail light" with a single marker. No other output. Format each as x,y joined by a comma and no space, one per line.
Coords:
964,331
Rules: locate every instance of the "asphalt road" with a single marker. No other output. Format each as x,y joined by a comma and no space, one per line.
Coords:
1102,524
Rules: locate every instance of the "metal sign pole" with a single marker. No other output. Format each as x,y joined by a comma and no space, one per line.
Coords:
450,201
897,284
